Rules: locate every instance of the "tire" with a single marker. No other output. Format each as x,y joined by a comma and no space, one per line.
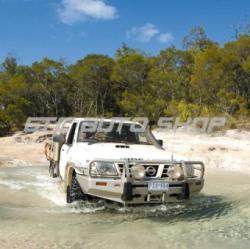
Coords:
74,191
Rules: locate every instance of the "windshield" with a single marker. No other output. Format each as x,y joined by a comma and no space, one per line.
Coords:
115,134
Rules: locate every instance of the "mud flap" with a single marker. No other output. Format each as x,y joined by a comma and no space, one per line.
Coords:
185,192
54,169
68,197
57,169
127,194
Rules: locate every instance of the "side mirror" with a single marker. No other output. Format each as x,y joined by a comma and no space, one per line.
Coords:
160,142
59,139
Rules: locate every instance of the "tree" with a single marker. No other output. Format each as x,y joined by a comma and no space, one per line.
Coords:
124,50
236,70
10,66
13,103
50,85
206,77
93,85
203,79
130,76
196,39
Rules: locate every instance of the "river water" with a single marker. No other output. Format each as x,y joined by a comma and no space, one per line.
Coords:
33,214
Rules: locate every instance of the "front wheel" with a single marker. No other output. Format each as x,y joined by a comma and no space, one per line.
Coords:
74,191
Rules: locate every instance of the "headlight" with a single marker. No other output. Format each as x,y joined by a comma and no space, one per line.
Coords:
189,170
104,169
138,171
175,172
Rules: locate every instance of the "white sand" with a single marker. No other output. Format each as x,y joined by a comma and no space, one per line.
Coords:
24,150
230,151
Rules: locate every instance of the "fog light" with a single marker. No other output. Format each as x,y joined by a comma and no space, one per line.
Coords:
175,172
138,172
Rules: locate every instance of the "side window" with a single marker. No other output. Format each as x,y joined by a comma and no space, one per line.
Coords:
71,134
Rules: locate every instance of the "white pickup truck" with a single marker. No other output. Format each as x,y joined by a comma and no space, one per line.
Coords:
119,163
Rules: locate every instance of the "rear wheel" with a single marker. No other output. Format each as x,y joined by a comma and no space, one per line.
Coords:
74,191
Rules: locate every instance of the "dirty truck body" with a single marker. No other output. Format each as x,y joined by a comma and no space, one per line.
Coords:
124,166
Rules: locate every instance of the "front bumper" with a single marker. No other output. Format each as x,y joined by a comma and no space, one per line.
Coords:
127,190
137,192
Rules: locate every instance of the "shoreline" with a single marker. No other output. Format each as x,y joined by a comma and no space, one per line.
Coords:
229,151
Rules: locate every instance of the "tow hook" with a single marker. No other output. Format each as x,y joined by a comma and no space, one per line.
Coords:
185,191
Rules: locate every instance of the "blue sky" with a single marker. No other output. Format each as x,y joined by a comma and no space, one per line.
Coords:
71,29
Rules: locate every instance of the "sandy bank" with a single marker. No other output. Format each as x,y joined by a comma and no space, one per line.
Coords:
24,150
229,151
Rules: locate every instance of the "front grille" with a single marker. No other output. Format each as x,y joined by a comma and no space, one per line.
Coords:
121,168
151,169
165,171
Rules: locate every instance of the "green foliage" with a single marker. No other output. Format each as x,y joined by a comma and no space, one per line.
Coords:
187,110
94,89
197,39
205,79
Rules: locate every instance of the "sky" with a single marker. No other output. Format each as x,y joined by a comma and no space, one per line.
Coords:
70,29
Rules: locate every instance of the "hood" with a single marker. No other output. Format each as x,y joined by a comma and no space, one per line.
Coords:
132,151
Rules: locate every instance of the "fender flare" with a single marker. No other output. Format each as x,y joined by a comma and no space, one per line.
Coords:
47,146
68,176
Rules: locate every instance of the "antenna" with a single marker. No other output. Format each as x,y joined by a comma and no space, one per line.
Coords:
172,154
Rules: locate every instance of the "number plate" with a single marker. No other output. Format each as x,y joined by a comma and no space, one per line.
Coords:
158,186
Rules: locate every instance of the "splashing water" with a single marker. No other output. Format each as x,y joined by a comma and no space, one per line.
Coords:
34,212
